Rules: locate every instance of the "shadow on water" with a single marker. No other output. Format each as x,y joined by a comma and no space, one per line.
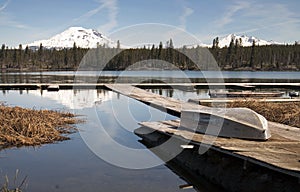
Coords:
193,180
214,170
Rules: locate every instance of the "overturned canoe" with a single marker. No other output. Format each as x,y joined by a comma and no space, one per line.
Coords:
232,122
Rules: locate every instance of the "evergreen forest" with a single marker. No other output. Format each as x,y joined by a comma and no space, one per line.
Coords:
233,57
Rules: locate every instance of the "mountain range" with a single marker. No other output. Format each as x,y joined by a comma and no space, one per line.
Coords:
90,38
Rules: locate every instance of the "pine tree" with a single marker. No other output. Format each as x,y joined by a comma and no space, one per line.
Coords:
160,47
14,58
75,55
2,56
40,56
171,44
236,55
217,43
152,52
229,54
20,57
66,60
118,44
252,55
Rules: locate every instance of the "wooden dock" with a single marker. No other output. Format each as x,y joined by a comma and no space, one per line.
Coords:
170,105
231,100
280,153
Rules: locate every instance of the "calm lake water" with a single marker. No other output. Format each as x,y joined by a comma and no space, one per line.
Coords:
72,165
140,76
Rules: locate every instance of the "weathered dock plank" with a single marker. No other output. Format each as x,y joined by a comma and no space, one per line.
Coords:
170,105
280,153
231,172
256,129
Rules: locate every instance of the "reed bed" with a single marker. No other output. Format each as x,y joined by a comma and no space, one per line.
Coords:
20,126
286,112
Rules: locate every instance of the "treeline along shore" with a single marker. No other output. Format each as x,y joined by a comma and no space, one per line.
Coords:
234,57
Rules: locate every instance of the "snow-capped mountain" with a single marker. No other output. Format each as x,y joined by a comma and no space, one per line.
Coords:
246,41
84,38
90,38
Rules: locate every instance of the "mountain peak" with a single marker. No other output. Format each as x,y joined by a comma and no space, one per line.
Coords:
82,37
246,41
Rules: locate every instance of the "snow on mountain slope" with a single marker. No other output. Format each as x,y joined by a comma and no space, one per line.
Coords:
84,38
246,41
89,38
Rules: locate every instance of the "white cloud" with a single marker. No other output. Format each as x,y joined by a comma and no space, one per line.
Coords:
89,14
182,19
111,6
229,16
271,21
276,19
6,19
4,5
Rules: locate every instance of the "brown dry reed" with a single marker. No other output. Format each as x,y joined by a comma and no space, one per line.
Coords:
16,187
19,126
281,112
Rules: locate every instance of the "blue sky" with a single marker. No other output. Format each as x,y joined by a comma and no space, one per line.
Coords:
23,21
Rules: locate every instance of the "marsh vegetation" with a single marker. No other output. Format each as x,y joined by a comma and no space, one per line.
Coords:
286,112
21,126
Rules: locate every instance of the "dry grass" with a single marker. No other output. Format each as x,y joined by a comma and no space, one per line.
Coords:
286,112
15,186
19,126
